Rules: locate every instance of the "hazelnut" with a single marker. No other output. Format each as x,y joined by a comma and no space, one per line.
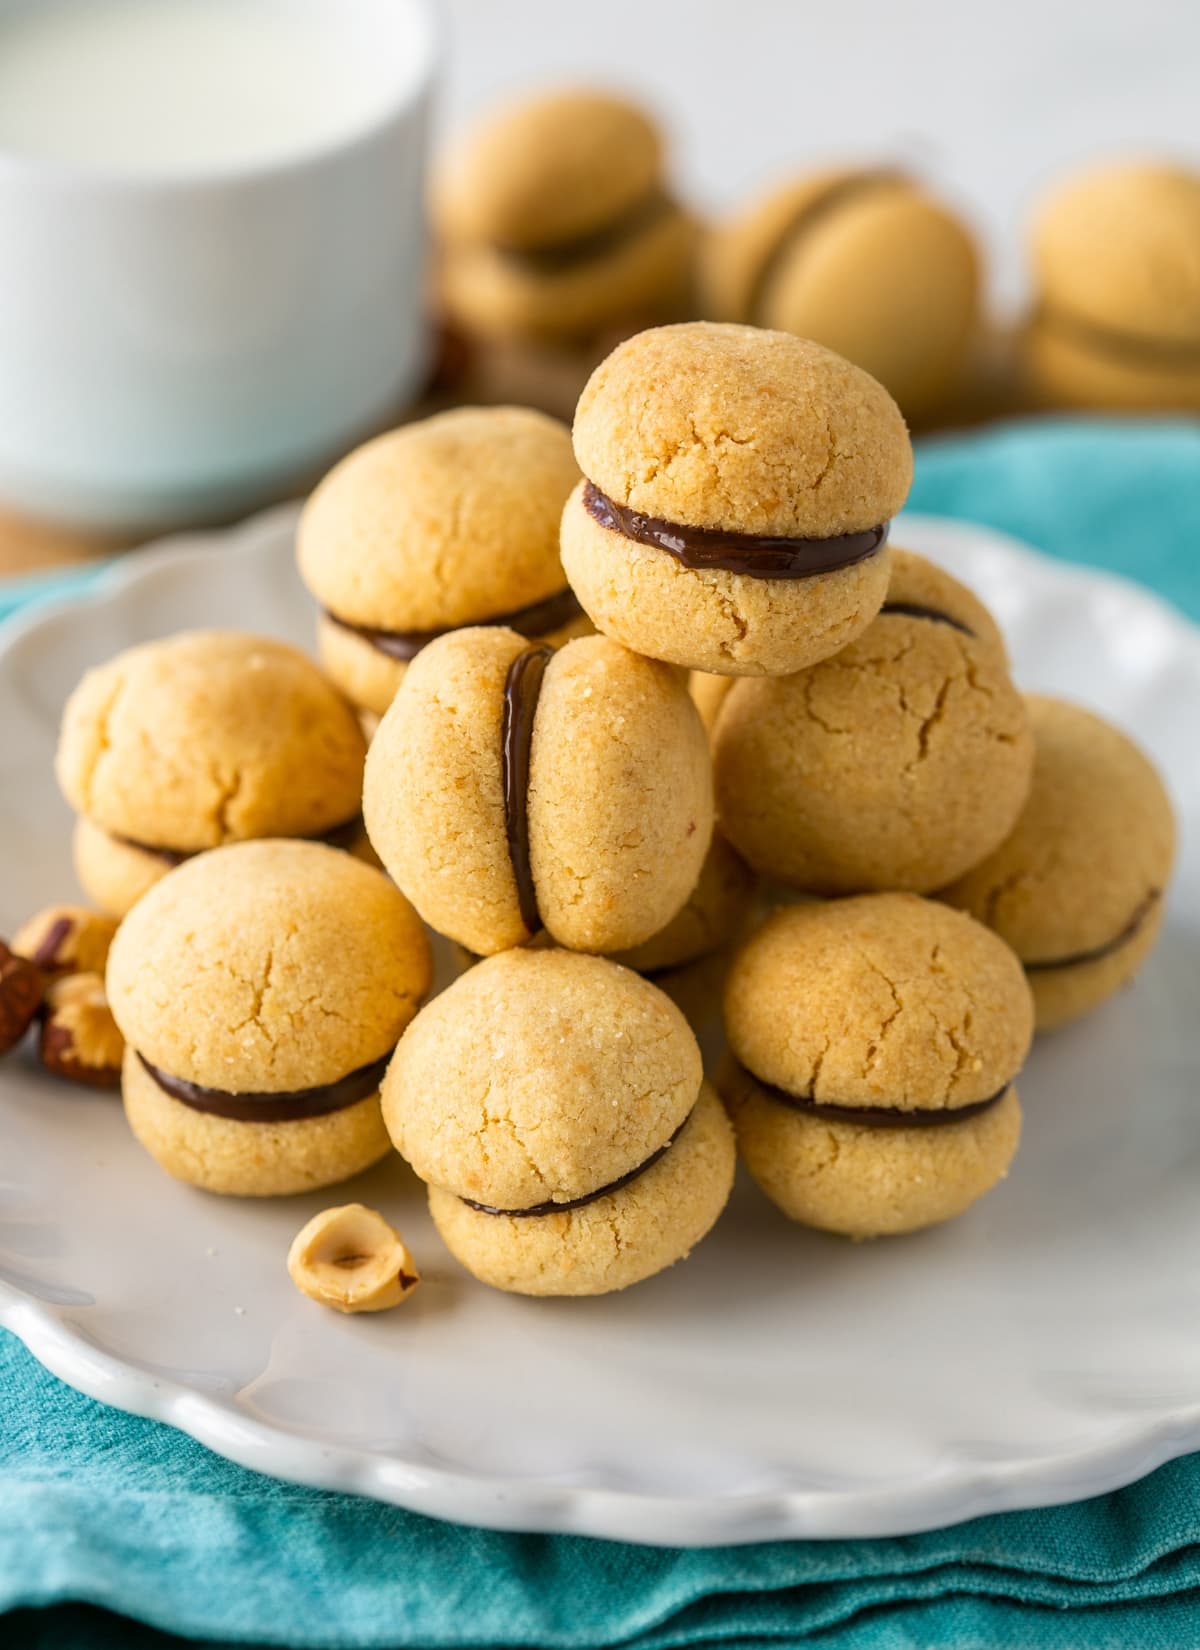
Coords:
79,1038
351,1259
20,997
66,939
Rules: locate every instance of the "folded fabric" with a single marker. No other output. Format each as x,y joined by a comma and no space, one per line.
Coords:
127,1515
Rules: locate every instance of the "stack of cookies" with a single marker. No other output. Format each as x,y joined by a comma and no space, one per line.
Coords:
653,697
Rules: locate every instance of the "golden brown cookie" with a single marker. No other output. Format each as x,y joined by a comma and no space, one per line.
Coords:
554,1104
261,989
1078,888
874,1047
445,523
899,763
711,916
1117,271
510,788
738,487
209,736
865,262
556,222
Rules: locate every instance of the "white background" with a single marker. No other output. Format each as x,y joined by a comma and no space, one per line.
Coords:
989,101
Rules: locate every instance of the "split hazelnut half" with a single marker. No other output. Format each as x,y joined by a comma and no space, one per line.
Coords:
351,1259
79,1037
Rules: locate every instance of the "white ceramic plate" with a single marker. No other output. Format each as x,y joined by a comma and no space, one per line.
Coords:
780,1383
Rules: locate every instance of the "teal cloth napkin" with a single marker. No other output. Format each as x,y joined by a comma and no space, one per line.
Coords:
105,1510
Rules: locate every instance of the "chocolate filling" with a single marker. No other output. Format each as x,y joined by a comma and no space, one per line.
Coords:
522,689
877,1117
273,1106
538,619
911,610
563,255
807,218
1160,354
703,549
1127,933
338,836
588,1197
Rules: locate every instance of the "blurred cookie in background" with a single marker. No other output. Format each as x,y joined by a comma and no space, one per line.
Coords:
1116,267
866,263
559,235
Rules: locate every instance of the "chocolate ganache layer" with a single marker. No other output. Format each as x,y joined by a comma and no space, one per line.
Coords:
597,243
876,1117
522,689
1129,932
911,610
538,619
274,1106
756,556
338,836
552,1208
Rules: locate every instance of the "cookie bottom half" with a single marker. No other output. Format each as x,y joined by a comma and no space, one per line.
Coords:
1061,995
729,624
1061,369
616,1241
113,874
250,1159
864,1182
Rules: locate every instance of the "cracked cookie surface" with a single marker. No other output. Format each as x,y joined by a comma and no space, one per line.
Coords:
752,433
204,738
1088,862
256,969
268,966
540,1076
875,1002
898,763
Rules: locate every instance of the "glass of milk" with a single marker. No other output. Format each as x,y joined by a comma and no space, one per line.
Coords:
211,246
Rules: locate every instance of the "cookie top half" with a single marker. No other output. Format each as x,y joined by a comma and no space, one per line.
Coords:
450,521
744,430
547,170
540,1077
1118,248
210,736
268,967
884,1000
1092,851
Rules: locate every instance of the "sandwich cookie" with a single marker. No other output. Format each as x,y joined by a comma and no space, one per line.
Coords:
207,737
554,1104
737,494
866,263
556,222
445,523
511,788
1116,256
897,764
1078,888
261,989
874,1046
